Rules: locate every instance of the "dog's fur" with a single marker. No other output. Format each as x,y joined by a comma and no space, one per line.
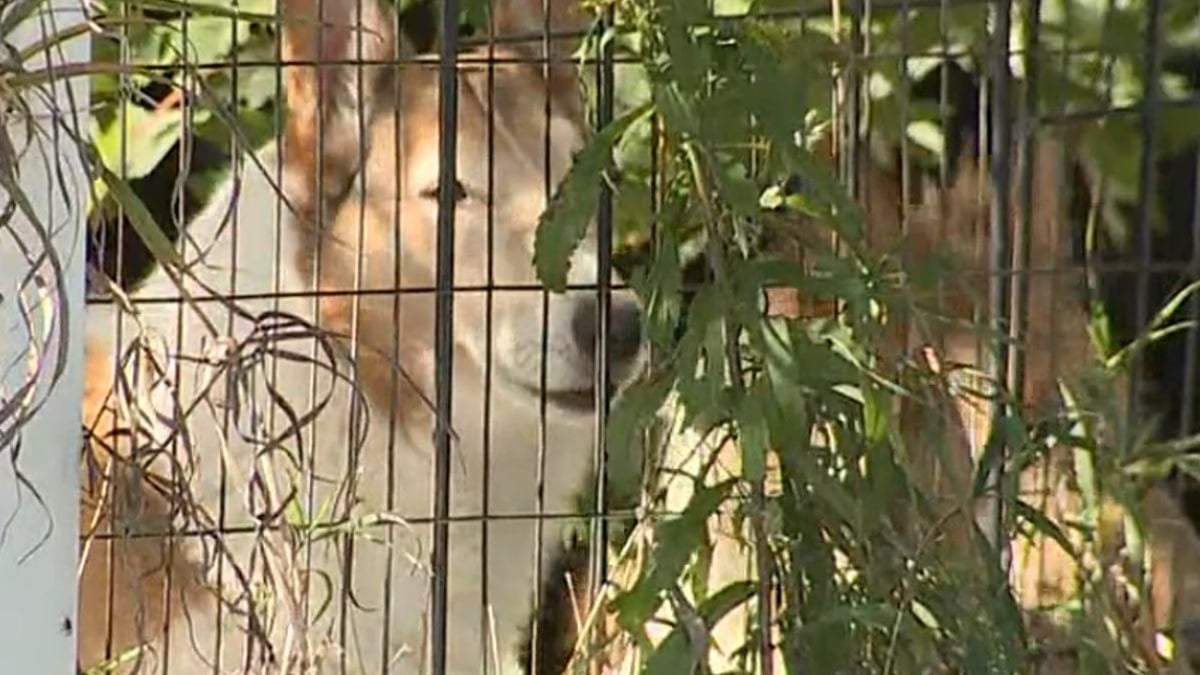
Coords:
366,224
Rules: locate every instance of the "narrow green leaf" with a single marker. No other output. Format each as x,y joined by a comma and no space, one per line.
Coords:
566,220
676,540
752,430
632,412
676,654
1044,525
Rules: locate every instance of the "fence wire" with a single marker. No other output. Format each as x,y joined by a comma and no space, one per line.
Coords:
232,515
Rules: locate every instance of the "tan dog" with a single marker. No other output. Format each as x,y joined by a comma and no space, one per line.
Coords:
275,463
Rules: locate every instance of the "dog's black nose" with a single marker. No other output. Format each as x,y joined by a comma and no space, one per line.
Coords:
624,328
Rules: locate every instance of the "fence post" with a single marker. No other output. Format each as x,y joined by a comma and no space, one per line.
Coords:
41,347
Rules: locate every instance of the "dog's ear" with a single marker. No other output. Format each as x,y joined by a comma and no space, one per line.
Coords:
334,51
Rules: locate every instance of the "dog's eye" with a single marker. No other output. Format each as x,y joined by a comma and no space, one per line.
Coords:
431,192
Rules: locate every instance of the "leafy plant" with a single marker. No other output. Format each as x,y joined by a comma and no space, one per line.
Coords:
803,408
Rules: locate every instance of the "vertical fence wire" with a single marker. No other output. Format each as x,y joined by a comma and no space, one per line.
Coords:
762,554
545,43
999,259
309,471
489,304
852,100
237,169
598,541
277,211
905,97
185,144
396,378
1187,410
354,412
1027,158
1022,278
444,327
124,80
180,337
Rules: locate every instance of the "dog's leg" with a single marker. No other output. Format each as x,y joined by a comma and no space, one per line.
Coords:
565,600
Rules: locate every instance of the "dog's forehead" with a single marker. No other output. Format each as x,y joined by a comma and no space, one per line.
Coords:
509,115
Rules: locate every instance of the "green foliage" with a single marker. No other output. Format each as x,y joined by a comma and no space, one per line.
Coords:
565,221
179,72
734,103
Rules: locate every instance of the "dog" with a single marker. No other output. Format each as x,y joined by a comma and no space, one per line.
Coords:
305,424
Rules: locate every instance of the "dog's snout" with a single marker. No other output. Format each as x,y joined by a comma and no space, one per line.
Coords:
624,328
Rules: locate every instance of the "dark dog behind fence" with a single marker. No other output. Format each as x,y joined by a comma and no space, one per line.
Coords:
1134,281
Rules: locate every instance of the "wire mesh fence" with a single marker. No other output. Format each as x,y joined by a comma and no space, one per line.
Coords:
673,336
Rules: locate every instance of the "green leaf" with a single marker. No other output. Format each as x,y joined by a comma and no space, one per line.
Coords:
661,288
876,615
676,654
566,220
1043,525
676,540
636,407
752,430
702,394
678,110
1157,329
735,186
